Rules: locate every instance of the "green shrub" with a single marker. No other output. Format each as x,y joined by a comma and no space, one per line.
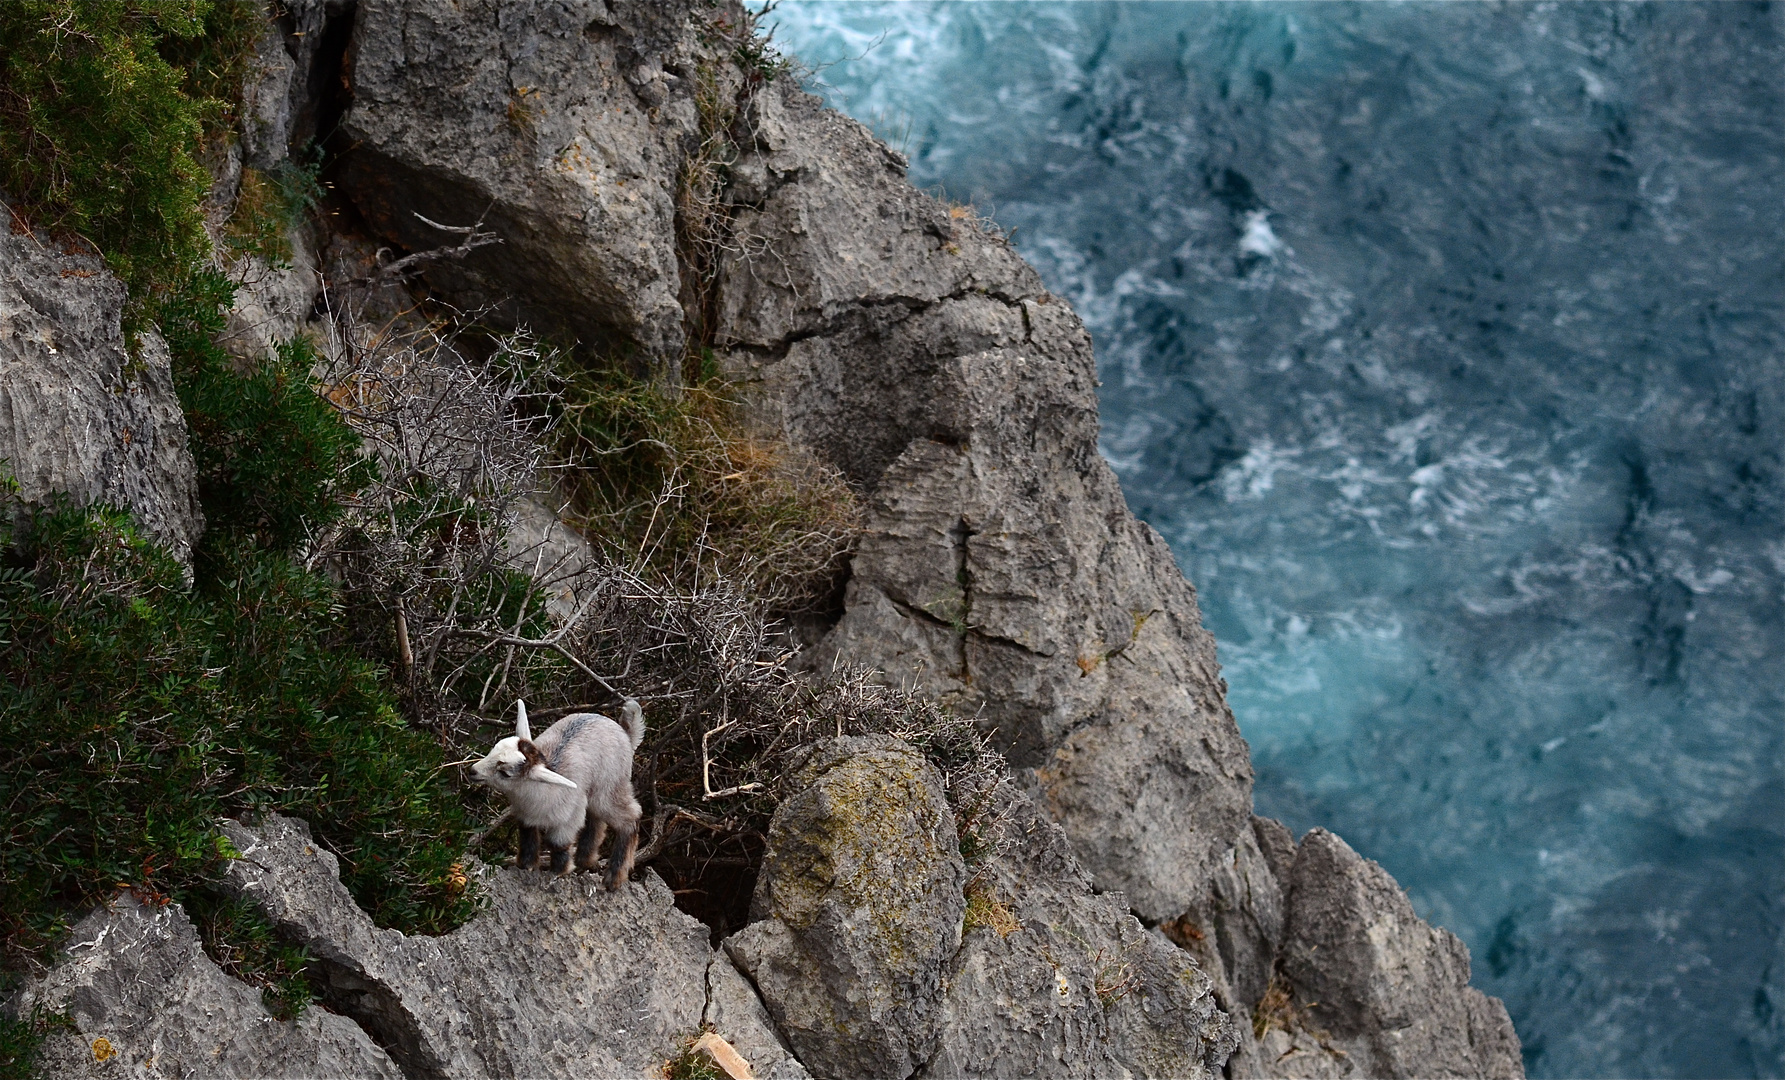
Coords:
103,106
274,458
247,946
19,1039
135,711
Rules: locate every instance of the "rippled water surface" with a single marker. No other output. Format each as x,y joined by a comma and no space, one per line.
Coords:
1444,344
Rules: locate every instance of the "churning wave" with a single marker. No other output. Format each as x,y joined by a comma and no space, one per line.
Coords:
1444,344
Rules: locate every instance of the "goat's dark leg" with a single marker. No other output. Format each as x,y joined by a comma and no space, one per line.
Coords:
529,859
588,842
560,859
619,864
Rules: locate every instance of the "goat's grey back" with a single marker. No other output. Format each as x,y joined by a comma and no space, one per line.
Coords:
596,752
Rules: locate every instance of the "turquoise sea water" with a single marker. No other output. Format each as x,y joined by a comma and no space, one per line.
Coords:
1445,344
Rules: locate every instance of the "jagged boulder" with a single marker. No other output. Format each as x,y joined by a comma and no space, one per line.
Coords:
557,978
1371,990
859,907
560,127
142,999
1053,979
79,414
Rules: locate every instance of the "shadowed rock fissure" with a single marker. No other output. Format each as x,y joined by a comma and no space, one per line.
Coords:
963,575
838,323
379,1012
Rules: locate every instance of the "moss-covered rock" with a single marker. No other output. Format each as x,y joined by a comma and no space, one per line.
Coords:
859,905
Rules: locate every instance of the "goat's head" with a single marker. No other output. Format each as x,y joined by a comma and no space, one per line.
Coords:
515,760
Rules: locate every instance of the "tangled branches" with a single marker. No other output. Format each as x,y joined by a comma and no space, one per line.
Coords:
685,486
460,436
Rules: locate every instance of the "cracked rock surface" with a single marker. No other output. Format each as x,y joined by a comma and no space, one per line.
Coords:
1052,979
1374,991
558,977
558,125
1001,569
143,1000
78,414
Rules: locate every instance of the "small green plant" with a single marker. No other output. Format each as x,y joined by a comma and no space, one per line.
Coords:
20,1040
692,1063
1115,979
985,909
269,205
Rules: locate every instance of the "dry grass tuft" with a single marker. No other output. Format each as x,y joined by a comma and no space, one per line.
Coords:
685,488
985,909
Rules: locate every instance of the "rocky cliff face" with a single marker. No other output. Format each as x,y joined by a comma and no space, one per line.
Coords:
79,414
1137,919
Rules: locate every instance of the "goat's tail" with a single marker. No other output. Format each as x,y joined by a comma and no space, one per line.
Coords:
632,718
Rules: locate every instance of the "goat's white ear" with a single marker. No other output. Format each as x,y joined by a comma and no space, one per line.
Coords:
520,721
540,772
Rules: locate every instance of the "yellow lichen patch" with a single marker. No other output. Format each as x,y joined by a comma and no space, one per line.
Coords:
103,1050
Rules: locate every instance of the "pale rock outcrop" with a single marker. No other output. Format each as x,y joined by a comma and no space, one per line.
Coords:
1053,979
557,978
143,1000
79,414
1373,991
734,1010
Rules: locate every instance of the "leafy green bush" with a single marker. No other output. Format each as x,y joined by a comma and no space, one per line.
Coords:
273,457
135,711
103,106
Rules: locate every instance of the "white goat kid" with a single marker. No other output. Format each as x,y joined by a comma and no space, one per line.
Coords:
573,783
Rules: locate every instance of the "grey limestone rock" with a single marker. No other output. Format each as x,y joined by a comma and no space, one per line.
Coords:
1055,980
557,978
136,978
1373,981
1001,568
738,1015
267,102
859,905
79,415
560,126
